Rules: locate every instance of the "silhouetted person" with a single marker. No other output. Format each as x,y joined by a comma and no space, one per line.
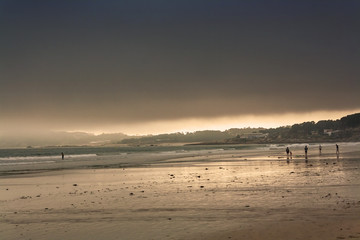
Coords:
337,149
62,155
287,152
306,150
320,149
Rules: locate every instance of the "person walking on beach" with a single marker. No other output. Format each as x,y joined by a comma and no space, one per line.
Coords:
320,149
337,149
287,152
306,150
62,155
290,154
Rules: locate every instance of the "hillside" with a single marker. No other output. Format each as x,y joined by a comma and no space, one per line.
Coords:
40,139
344,129
190,137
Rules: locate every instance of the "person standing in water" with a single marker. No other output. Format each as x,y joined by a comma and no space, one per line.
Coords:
337,149
320,149
287,152
306,150
62,155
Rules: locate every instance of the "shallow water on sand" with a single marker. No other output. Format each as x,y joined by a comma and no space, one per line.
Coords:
84,157
237,194
22,160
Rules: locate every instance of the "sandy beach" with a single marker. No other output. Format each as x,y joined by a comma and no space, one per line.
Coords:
179,120
213,195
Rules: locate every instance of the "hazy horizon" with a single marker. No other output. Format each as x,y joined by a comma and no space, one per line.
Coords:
225,123
196,125
140,67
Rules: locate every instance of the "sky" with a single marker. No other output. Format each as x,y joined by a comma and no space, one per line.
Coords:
145,67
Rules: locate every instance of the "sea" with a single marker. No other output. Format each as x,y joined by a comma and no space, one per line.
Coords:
41,155
22,159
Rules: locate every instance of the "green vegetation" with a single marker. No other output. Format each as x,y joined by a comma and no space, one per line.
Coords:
209,136
344,129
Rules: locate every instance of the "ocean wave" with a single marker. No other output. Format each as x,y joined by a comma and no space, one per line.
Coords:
45,157
23,163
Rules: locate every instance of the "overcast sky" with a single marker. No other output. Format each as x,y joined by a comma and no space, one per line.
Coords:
173,65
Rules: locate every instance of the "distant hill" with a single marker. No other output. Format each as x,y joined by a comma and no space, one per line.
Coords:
190,137
344,129
41,139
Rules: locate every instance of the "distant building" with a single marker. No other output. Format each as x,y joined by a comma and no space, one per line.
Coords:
254,135
328,131
331,132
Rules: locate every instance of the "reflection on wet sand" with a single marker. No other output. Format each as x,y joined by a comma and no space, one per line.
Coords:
237,195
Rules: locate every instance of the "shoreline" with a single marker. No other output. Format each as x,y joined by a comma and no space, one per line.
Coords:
240,195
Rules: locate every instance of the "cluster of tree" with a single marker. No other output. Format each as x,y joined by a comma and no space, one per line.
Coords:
346,128
198,136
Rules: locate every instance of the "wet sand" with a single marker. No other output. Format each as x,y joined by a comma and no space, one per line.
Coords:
237,195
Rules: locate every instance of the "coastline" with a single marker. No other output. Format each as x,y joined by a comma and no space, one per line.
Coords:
220,195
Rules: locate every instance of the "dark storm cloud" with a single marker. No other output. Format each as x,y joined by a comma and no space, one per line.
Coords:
125,61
